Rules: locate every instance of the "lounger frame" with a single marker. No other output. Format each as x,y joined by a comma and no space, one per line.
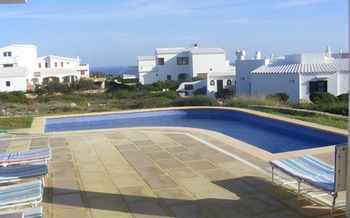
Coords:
338,185
34,202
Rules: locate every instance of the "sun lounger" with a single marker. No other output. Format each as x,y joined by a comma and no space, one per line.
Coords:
310,170
25,213
33,213
19,172
29,193
23,157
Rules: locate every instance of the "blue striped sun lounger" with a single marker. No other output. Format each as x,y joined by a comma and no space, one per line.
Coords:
25,213
29,193
22,157
309,170
322,176
19,172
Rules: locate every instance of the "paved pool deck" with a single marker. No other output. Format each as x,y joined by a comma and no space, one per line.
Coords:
161,173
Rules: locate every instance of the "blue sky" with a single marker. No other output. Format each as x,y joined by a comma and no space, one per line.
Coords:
115,32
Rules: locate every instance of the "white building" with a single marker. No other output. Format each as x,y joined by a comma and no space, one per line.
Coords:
216,85
23,61
220,84
189,88
181,64
296,75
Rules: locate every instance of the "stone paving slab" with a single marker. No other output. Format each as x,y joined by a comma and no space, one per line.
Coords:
135,173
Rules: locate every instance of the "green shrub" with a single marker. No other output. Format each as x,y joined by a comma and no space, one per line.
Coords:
343,97
86,84
13,97
250,101
323,98
53,87
160,85
340,108
195,101
168,94
281,97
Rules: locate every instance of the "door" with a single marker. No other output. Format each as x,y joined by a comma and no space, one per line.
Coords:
220,87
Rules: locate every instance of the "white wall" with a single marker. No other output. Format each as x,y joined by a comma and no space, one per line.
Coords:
22,56
17,84
212,89
149,78
146,65
267,84
207,63
305,79
243,69
171,68
343,82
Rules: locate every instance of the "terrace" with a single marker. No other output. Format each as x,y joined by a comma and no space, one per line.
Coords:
155,172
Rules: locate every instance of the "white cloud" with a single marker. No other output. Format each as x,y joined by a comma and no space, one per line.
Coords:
131,9
297,3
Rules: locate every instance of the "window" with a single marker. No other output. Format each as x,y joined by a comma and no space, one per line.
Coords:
8,65
7,54
46,65
182,61
189,87
161,61
62,64
318,86
39,65
229,82
212,82
8,83
168,77
82,72
56,64
37,74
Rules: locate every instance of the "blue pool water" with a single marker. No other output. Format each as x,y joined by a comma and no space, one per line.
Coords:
271,135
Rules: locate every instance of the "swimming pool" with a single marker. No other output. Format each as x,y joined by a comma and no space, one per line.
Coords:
271,135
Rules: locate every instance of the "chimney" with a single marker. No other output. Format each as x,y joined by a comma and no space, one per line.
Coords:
328,51
240,54
258,55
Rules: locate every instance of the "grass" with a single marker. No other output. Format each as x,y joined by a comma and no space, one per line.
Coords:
338,122
15,122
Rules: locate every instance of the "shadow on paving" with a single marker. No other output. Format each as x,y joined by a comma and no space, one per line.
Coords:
255,197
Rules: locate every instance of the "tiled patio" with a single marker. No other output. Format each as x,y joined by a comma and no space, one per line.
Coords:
139,173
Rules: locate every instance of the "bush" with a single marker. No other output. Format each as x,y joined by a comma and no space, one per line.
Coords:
323,98
250,101
85,84
167,94
13,97
343,97
334,108
53,87
195,101
160,85
281,97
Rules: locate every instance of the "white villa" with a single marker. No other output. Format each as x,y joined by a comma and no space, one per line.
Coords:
297,75
21,69
182,64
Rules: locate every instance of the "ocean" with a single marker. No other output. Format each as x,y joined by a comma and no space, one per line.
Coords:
118,70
